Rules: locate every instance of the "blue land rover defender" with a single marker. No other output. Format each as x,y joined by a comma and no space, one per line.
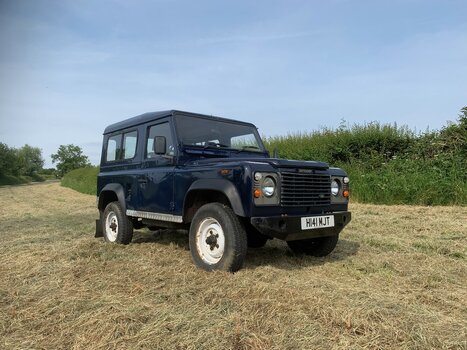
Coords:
213,176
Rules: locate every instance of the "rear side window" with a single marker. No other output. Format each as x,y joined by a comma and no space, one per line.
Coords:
122,146
114,148
129,144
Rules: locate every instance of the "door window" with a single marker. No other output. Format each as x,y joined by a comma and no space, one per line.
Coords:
160,130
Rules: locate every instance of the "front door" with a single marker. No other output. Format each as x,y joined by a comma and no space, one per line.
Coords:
156,180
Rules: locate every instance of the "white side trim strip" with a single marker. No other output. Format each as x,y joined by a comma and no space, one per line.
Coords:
154,216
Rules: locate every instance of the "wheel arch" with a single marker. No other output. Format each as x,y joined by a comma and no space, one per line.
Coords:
207,191
110,193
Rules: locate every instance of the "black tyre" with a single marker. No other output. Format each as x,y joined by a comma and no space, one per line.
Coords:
116,226
217,238
320,246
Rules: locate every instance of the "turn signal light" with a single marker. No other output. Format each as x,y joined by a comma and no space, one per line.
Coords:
346,194
257,193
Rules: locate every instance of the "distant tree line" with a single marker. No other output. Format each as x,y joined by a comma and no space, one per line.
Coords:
26,163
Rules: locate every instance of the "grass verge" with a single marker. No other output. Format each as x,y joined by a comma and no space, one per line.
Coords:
83,180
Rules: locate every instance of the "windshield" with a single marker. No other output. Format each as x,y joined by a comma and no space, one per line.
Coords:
210,133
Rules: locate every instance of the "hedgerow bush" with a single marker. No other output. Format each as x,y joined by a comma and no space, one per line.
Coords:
83,180
390,164
387,163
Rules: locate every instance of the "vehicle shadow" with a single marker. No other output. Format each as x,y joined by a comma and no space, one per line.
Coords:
162,236
275,253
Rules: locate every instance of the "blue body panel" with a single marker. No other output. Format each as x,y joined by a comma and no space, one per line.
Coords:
161,184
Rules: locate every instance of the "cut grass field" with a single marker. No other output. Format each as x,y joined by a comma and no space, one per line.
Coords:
397,280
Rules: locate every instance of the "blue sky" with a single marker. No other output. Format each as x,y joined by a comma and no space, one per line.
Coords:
69,68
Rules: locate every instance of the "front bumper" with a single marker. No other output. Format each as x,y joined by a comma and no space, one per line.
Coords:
289,228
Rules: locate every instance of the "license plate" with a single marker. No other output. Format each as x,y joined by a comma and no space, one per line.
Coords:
313,222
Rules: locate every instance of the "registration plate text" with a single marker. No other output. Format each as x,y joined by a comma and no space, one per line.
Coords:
314,222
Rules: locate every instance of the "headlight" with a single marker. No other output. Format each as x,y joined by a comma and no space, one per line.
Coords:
268,186
335,187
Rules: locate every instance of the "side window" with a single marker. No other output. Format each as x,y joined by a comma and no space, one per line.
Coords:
117,151
129,144
113,148
159,130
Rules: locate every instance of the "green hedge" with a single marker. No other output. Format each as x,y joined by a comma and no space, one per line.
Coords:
11,180
19,180
83,180
406,181
400,181
387,164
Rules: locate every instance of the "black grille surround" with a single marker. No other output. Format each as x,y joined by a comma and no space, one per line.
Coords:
305,187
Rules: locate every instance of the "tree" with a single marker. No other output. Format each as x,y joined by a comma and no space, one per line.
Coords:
30,160
8,160
68,158
454,135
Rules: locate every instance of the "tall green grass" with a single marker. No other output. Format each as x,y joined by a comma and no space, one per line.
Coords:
371,143
83,180
407,181
389,164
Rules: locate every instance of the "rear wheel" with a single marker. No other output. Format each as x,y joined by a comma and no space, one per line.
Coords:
320,246
116,225
217,238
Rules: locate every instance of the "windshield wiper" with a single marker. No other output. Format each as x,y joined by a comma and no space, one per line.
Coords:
214,145
248,148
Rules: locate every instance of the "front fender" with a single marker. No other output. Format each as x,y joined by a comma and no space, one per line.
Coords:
221,185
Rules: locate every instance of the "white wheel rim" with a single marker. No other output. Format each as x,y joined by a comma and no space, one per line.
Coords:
111,226
210,241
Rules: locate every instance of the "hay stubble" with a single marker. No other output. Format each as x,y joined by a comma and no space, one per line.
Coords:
397,279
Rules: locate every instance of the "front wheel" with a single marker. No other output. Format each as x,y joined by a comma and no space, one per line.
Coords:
116,225
217,238
320,246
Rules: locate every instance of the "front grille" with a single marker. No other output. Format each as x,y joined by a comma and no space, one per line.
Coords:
305,189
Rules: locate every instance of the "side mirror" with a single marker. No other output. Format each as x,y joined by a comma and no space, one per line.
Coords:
160,145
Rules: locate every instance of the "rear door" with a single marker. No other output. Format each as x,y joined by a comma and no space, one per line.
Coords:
156,180
121,162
